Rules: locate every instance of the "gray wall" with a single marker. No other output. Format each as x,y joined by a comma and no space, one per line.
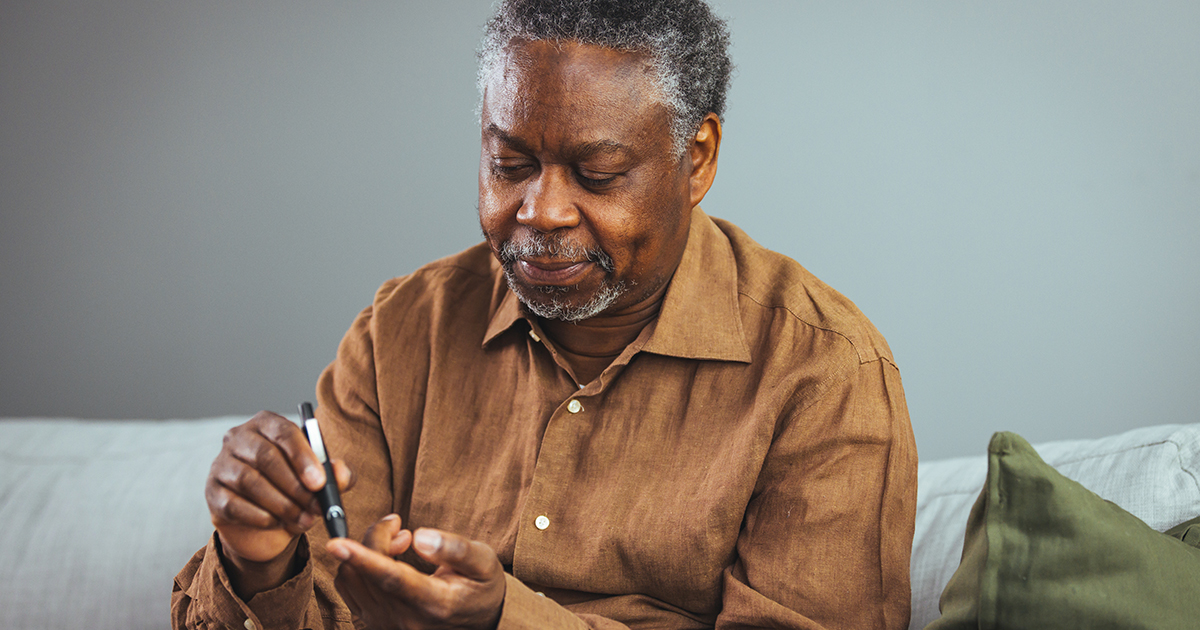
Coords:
196,198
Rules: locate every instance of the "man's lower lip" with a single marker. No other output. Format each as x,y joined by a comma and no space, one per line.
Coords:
565,276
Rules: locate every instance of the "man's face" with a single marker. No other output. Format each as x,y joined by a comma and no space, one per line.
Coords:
581,195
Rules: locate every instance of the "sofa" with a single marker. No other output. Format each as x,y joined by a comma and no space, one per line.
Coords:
100,515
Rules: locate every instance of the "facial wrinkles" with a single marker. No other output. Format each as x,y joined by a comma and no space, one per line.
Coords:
517,89
553,112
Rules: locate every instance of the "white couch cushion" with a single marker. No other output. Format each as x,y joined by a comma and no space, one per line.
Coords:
99,516
1153,473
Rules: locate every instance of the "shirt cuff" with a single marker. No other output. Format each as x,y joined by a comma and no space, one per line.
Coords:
524,609
214,601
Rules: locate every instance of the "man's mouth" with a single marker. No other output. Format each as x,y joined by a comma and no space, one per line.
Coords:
551,261
554,272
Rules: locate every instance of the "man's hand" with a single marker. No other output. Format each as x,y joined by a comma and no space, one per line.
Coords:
260,496
466,590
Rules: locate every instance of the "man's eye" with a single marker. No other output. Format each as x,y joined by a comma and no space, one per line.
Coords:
511,170
596,180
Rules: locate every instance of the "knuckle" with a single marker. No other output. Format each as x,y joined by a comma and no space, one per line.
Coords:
290,511
238,478
276,428
230,439
260,453
234,441
218,502
223,473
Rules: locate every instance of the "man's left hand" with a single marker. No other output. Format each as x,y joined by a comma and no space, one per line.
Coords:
466,590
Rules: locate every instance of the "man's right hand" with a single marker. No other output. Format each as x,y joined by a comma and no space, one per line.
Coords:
260,493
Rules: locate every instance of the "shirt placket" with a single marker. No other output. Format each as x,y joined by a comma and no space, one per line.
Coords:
538,538
539,542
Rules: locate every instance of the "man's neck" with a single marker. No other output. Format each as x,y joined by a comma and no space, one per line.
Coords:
591,345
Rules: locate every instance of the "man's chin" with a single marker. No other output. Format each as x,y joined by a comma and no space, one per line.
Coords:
565,303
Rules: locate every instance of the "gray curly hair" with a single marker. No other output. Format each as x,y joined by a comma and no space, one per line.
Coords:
686,43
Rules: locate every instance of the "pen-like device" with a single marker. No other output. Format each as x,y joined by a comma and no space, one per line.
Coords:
328,496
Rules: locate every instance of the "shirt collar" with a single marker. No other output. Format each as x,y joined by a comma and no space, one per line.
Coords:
505,313
700,317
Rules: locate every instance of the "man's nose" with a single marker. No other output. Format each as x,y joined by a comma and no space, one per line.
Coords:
549,202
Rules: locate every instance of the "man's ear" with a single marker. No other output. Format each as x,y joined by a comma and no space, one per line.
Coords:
705,146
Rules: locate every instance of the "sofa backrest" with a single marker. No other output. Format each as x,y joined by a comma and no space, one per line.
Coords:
1152,472
109,511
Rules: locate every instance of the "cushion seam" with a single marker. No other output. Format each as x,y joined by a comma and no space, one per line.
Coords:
1083,458
1179,452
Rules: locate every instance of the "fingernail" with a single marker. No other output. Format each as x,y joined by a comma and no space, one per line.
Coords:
314,476
427,541
341,552
307,519
391,517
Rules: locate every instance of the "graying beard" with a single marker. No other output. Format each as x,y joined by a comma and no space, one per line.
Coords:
556,309
539,245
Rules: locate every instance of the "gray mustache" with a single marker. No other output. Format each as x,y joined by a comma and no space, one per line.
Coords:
537,245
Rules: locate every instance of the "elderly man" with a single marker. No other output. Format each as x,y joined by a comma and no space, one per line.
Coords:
615,412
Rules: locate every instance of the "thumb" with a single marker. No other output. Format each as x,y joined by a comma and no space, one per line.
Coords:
469,558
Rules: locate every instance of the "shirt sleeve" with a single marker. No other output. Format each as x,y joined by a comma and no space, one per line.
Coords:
526,610
348,412
203,598
828,533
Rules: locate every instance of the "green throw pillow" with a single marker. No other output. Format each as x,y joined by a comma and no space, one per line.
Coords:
1043,552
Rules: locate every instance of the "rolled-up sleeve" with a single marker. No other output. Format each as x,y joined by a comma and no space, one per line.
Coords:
204,598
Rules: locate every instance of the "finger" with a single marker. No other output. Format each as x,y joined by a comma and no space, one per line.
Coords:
400,543
298,456
246,530
238,493
345,477
379,535
228,507
258,450
466,557
385,574
387,536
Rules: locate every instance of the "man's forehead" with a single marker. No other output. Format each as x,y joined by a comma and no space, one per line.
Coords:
554,64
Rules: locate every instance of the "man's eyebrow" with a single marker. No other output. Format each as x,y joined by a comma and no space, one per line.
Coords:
581,151
596,147
505,138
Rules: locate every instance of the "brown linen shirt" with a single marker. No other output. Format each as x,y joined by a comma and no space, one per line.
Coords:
747,461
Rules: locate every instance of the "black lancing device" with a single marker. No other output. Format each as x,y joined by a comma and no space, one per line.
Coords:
328,496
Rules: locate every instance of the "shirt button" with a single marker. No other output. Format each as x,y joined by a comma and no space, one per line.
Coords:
541,522
249,624
574,406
